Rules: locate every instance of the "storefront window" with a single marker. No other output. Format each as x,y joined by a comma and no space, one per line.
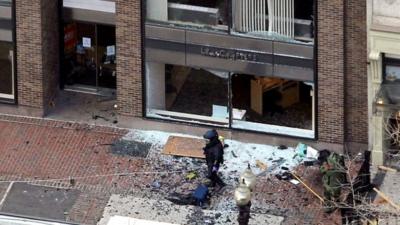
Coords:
242,101
220,79
273,105
7,89
187,94
207,14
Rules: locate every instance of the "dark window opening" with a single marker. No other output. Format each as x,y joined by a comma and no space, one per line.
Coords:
89,55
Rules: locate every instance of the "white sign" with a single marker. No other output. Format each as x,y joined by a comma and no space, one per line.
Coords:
110,50
86,42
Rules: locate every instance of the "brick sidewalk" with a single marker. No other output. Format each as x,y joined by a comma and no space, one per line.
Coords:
36,149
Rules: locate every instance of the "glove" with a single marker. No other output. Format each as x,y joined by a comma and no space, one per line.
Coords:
215,168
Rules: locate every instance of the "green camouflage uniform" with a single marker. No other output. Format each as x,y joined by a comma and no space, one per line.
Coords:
333,178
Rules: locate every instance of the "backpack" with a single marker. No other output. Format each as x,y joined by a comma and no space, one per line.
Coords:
200,194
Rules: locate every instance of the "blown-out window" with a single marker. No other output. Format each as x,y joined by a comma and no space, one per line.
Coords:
284,20
207,14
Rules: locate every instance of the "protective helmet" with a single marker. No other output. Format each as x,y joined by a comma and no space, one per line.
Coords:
323,155
210,134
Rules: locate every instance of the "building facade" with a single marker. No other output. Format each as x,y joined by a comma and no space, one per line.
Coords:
287,68
384,77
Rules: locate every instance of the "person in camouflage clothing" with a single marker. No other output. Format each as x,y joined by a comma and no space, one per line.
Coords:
333,169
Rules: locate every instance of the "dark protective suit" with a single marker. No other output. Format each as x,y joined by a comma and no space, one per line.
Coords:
214,152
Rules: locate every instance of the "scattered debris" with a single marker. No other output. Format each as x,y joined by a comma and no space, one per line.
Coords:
233,154
156,184
312,153
261,165
310,163
295,182
184,146
308,187
301,150
191,175
282,147
284,168
382,195
95,117
131,148
387,169
284,176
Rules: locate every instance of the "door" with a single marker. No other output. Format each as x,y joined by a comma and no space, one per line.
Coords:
80,54
89,56
106,56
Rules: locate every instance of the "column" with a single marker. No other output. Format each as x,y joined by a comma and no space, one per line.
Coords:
155,81
129,58
37,36
376,127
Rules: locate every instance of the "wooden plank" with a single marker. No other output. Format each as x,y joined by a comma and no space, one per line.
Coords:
256,100
183,146
382,195
387,169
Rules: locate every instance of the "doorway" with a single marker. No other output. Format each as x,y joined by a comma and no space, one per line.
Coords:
6,70
89,57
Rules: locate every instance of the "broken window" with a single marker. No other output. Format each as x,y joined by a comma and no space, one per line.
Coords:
285,20
183,93
277,19
264,104
273,105
207,14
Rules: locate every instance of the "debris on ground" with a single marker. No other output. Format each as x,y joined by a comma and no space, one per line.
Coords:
312,153
184,146
301,150
294,181
131,148
261,165
264,160
282,147
191,175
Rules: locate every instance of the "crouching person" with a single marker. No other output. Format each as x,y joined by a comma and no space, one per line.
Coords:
333,169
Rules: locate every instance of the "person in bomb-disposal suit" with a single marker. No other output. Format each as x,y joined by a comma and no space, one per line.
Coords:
334,177
214,152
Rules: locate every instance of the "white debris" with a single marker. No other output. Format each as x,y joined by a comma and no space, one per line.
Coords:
312,153
236,156
268,128
239,154
157,138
